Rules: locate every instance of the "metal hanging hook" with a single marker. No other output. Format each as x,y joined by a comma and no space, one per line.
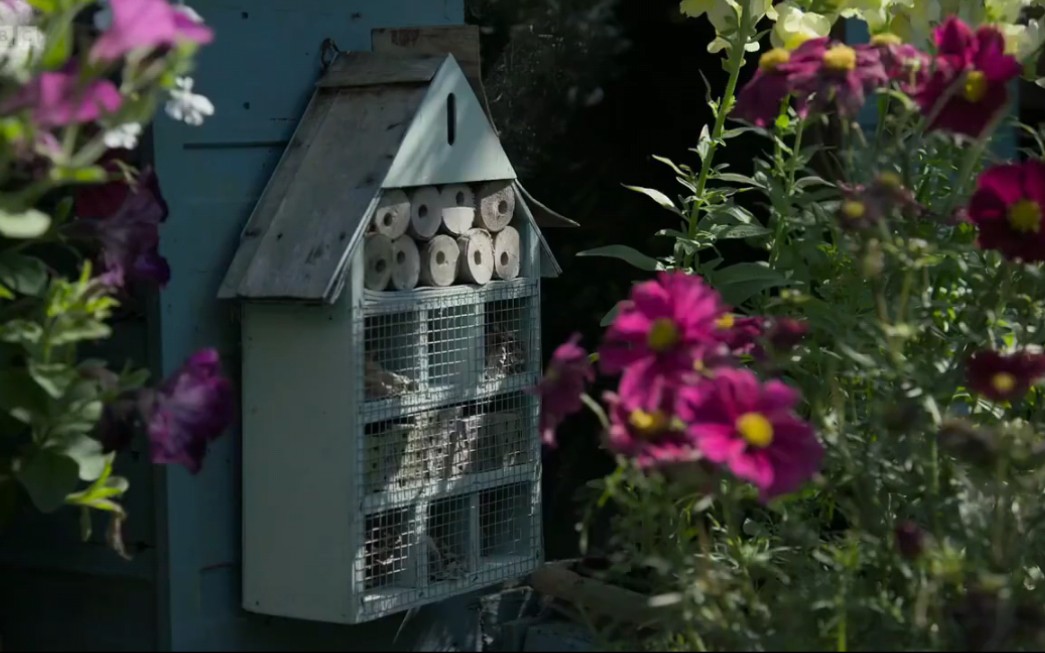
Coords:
328,51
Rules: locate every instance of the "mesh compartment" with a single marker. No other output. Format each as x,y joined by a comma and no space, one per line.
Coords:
389,546
505,519
392,365
449,539
506,333
505,432
453,335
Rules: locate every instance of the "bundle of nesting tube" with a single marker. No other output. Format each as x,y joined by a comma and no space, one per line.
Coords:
442,236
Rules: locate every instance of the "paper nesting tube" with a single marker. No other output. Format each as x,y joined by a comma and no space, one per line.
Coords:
378,260
426,211
506,254
475,264
406,263
393,214
496,205
458,203
439,261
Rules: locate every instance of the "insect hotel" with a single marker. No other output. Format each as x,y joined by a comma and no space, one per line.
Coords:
389,281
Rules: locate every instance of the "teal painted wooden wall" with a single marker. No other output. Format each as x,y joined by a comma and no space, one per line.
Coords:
182,590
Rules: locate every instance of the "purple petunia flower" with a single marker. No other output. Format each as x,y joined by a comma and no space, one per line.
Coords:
191,409
565,380
60,98
148,25
129,238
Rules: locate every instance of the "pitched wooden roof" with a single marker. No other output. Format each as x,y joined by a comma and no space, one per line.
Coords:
372,123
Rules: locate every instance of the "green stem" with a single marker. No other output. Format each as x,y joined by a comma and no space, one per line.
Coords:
736,63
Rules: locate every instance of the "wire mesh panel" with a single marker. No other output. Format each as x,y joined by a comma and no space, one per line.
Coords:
389,559
449,464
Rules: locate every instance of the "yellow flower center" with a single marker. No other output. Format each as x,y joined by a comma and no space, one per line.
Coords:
726,321
649,425
886,38
1025,216
890,179
841,58
853,209
755,429
771,60
975,86
663,335
1004,382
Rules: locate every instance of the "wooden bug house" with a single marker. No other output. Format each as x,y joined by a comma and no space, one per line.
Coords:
389,282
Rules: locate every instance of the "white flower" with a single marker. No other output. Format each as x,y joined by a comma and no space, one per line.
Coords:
724,16
19,46
16,12
186,106
123,136
794,26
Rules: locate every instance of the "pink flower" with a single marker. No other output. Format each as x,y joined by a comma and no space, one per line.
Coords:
148,25
739,335
903,63
662,332
1003,377
834,75
761,99
752,429
1007,210
565,380
190,410
785,334
130,237
647,428
968,87
60,98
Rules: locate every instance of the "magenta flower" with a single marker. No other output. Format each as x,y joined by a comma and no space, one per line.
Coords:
130,237
568,374
102,200
833,75
60,98
968,87
752,429
910,540
761,99
785,333
1000,377
190,410
647,429
148,25
903,63
662,332
1007,210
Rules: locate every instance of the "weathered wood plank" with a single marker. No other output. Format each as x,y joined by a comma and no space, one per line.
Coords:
366,69
272,197
557,580
302,253
462,41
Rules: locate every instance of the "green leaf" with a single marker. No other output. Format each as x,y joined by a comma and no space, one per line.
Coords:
23,274
671,164
49,477
656,196
20,397
5,292
59,43
738,231
625,253
85,175
739,283
87,452
27,224
609,317
47,6
54,378
21,332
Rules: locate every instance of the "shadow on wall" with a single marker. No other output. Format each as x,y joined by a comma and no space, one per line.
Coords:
585,95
